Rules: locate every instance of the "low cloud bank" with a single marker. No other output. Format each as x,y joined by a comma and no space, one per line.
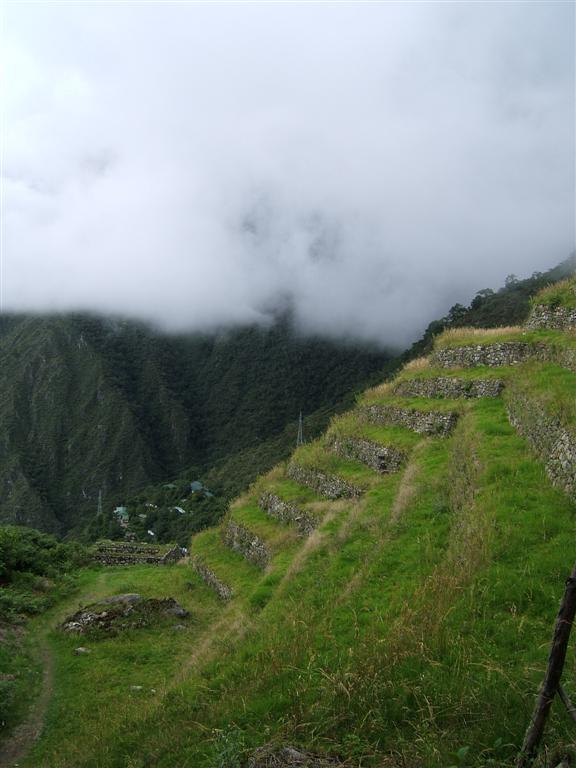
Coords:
200,165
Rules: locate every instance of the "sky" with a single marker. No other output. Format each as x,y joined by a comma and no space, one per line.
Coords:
200,165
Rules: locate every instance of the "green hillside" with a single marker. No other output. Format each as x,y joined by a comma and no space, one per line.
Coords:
385,597
91,405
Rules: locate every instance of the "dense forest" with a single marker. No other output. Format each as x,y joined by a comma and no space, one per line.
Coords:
98,408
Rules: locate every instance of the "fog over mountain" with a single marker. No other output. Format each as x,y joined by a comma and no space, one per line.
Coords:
201,164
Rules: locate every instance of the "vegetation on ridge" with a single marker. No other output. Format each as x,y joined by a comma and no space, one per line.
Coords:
560,294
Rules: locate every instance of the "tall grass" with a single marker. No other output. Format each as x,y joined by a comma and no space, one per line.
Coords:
561,294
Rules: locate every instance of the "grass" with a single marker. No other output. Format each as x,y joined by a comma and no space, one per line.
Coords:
424,404
352,425
230,567
554,388
466,374
247,512
20,675
148,658
287,489
562,294
414,623
316,456
458,337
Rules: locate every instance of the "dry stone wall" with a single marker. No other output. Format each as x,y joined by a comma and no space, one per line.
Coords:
449,387
208,576
556,318
172,556
242,540
287,513
423,422
380,458
492,355
120,553
503,353
331,486
551,441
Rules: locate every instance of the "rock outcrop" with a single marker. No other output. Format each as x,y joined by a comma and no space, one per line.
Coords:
290,757
121,613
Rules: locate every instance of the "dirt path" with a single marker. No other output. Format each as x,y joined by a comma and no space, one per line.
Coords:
16,747
21,741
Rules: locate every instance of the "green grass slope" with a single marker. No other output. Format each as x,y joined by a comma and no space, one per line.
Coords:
409,628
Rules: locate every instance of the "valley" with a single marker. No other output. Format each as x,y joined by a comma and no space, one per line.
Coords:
383,597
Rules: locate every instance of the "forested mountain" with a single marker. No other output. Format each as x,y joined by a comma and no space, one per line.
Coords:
90,404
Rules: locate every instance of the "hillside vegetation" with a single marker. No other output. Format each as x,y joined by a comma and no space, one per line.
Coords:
89,405
386,596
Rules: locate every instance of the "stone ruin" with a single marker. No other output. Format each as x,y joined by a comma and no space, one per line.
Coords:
287,513
423,422
554,445
501,354
242,540
555,318
380,458
115,553
449,387
208,576
330,486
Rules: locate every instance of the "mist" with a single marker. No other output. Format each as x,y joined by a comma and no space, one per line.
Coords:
200,165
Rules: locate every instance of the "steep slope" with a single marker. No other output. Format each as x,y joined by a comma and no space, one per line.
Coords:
91,405
230,473
387,595
107,405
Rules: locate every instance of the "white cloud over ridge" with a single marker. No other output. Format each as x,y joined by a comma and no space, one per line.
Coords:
196,165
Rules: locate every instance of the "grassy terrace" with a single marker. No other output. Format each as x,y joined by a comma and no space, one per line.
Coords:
461,337
562,294
413,622
466,374
553,387
276,536
229,567
315,456
277,482
351,425
152,658
377,397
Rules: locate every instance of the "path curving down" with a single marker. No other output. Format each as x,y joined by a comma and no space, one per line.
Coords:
25,735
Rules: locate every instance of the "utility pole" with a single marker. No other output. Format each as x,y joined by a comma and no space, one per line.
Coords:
100,501
300,438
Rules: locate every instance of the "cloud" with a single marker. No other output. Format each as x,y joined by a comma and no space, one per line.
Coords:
197,165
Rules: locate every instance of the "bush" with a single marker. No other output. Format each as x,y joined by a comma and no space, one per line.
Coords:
25,550
33,568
